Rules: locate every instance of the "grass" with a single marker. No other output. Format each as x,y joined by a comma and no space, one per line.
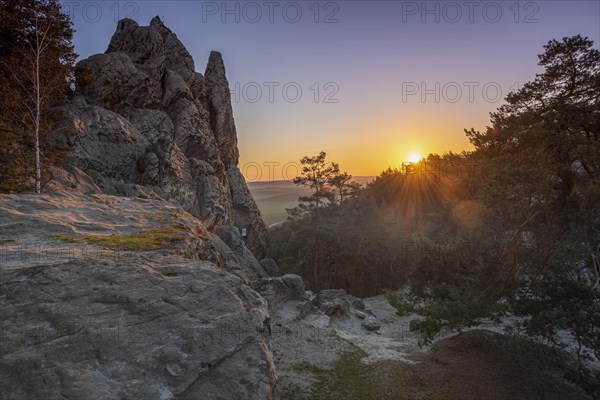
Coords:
65,238
349,378
470,366
150,239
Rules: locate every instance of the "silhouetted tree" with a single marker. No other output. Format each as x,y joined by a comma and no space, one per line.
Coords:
316,174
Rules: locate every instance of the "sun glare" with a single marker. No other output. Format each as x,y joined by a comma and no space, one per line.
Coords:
414,157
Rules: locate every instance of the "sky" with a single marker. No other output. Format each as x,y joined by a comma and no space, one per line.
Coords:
372,83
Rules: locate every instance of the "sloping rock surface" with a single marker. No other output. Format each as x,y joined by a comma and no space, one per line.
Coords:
85,320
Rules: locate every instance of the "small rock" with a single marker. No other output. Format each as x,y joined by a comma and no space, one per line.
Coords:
358,303
371,324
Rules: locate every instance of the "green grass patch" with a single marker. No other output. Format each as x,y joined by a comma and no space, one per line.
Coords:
150,239
348,379
65,238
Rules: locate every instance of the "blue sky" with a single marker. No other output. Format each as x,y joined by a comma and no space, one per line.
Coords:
380,80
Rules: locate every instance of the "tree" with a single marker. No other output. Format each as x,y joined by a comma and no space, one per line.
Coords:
544,146
36,69
540,192
316,174
343,186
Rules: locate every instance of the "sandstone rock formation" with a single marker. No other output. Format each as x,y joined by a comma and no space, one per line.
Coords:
145,122
81,319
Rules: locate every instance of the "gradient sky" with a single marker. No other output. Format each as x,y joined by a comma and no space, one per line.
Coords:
373,57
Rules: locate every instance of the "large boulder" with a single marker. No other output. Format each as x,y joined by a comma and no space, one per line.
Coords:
333,302
154,48
281,289
113,81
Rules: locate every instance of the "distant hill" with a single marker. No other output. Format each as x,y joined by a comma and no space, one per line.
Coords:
273,197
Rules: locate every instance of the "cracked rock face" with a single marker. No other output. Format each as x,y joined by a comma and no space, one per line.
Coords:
144,118
84,321
186,331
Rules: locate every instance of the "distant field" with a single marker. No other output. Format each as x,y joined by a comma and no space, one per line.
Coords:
274,197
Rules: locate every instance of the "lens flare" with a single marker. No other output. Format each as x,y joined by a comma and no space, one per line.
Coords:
414,158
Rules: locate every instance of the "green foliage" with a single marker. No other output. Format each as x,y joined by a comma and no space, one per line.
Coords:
309,227
540,192
518,233
356,246
27,28
560,302
66,238
403,303
16,160
316,174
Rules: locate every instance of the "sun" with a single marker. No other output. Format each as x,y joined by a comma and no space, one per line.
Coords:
414,157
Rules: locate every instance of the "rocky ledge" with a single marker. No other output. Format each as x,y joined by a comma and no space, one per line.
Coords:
109,298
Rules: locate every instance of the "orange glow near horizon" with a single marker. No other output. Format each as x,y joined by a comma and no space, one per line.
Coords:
364,150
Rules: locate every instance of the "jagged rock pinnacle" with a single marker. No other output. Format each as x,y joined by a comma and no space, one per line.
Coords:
160,123
215,69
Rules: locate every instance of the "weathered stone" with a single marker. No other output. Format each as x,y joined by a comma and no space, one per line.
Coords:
359,303
85,322
145,121
112,81
144,328
270,266
280,289
295,282
371,323
222,122
230,235
332,302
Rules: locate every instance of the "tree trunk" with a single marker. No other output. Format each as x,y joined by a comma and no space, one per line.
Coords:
36,123
38,174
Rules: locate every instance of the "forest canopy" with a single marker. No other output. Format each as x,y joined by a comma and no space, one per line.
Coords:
514,229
